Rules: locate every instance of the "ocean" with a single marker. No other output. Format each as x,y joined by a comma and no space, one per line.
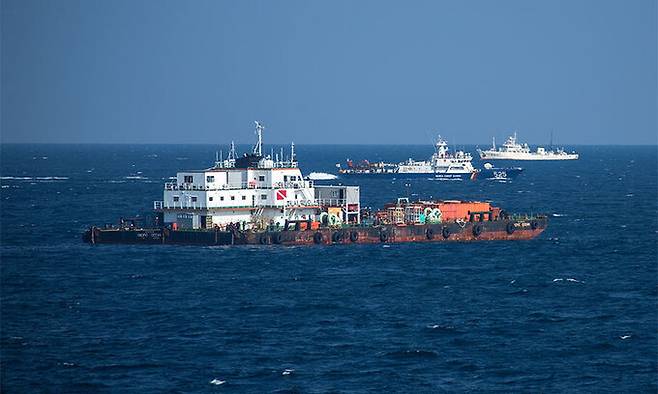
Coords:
572,311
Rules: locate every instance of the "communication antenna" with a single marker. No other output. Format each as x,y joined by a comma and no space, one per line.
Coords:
258,148
231,153
292,151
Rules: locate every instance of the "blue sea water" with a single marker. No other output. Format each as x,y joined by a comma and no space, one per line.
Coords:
574,310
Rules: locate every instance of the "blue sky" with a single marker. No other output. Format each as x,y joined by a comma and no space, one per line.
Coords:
329,71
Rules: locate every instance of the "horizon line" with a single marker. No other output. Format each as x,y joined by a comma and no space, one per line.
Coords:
300,144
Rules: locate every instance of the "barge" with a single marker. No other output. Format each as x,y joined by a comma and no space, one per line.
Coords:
261,199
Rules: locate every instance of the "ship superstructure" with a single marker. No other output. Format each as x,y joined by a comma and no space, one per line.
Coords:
512,150
252,191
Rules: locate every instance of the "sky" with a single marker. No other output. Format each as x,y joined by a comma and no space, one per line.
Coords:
329,72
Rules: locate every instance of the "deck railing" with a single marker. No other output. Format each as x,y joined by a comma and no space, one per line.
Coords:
171,186
159,205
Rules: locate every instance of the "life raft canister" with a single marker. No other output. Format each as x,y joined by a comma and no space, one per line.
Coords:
510,228
317,237
477,230
354,236
429,233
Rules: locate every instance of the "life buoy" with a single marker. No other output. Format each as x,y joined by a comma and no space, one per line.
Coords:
477,230
534,225
277,238
383,236
510,228
263,240
354,236
445,232
337,237
317,237
429,233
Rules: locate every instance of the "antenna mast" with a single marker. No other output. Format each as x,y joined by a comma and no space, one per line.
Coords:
231,152
258,148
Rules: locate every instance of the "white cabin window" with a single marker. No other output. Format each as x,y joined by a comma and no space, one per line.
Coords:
210,179
188,179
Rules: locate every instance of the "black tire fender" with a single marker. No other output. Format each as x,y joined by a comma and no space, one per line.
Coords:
477,230
534,225
263,240
445,232
383,236
354,236
510,228
277,238
318,238
337,237
429,233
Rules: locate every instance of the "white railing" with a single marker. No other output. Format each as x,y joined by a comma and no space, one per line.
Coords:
331,202
159,205
238,186
178,205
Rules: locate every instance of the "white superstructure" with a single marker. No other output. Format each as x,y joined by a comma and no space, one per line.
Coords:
253,191
512,150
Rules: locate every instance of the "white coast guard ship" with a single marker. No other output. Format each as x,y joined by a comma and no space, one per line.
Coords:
253,192
511,150
442,164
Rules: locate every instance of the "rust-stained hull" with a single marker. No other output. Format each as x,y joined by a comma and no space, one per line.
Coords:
496,230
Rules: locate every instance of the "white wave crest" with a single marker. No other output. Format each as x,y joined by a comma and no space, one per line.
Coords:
217,382
573,280
36,178
321,176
